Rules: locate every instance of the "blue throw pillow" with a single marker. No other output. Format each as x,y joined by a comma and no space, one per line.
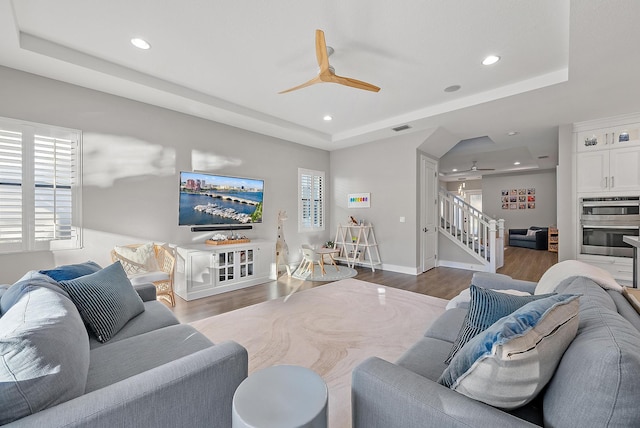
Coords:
66,272
509,363
106,300
485,308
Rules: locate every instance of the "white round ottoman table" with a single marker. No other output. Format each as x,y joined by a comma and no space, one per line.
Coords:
281,397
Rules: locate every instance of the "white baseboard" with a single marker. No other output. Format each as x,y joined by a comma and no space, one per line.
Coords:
459,265
401,269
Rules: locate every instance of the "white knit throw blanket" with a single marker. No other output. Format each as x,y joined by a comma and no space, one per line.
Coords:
568,268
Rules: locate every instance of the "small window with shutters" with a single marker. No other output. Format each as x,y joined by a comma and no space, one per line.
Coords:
310,200
39,187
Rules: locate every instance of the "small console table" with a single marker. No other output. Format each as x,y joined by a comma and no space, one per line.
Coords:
204,270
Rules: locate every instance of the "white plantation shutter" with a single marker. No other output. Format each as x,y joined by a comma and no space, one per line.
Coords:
310,200
39,187
10,189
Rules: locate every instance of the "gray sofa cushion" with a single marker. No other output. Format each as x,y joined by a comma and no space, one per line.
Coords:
44,351
129,357
106,300
596,383
155,315
30,279
426,357
625,309
447,325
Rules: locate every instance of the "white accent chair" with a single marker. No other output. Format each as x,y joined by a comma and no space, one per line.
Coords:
309,259
158,271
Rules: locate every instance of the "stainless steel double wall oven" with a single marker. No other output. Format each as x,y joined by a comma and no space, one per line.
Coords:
603,223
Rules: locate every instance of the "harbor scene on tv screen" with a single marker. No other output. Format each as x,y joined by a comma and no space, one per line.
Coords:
207,199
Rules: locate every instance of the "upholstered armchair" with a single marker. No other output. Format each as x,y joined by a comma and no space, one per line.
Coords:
146,263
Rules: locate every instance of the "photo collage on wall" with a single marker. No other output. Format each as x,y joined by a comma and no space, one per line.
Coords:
518,199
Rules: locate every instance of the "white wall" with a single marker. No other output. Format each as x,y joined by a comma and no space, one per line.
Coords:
389,170
545,213
567,201
133,153
390,177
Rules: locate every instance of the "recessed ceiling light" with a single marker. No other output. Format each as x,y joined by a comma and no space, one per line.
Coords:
327,118
452,88
454,170
140,43
512,133
491,59
516,163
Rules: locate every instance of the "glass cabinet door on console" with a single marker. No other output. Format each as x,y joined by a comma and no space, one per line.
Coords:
234,265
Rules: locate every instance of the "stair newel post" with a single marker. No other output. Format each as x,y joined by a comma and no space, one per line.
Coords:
500,244
492,245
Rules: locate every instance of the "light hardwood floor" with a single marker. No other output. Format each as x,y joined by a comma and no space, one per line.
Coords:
519,263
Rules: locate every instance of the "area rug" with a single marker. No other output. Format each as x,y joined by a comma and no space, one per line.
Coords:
329,329
331,274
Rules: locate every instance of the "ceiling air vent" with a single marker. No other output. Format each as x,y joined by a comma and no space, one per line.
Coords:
543,157
401,128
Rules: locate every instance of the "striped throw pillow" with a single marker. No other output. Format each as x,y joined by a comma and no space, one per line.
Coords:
106,300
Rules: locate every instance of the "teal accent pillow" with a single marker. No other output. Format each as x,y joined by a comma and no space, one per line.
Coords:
485,308
509,363
66,272
44,350
106,300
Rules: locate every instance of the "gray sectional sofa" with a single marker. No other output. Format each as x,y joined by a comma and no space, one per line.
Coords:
154,372
537,241
596,384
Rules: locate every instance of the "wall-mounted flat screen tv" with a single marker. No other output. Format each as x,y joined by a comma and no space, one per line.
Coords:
210,200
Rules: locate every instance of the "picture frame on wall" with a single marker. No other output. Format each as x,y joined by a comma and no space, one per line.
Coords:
359,200
518,199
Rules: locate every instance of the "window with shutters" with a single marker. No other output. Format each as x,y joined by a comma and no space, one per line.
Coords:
39,187
310,200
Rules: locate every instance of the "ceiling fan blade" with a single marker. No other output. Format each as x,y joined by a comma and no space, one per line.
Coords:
359,84
304,85
321,51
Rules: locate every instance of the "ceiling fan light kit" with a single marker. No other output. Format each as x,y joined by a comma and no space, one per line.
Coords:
327,74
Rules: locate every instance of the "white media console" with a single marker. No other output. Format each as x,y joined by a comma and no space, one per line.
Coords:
204,270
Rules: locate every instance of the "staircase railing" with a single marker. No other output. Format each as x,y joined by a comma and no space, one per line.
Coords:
473,230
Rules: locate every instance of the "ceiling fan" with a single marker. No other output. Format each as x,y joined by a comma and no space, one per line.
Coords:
327,73
475,168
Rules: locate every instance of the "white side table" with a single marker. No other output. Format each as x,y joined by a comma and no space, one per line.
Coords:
281,397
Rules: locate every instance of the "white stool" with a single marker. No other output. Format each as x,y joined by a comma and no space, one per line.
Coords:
281,397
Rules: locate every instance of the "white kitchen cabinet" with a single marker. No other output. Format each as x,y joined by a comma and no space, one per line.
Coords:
204,270
621,268
609,138
605,171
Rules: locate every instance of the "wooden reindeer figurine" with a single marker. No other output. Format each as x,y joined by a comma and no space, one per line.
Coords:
282,250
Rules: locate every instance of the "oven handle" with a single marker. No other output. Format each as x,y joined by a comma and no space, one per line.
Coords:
633,203
598,226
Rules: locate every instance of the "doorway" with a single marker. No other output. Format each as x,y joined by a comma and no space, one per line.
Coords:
428,213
